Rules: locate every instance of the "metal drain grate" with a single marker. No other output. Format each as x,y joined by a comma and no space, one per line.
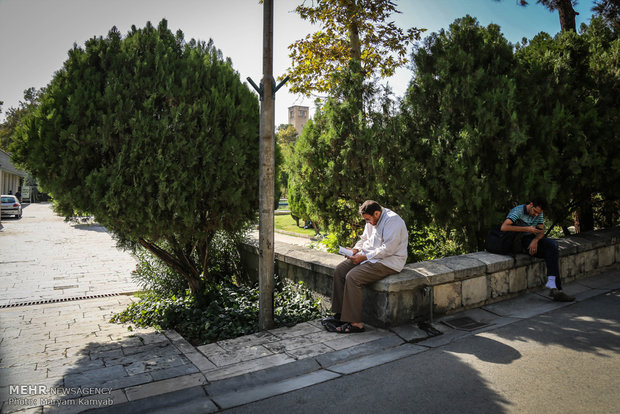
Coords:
465,324
57,300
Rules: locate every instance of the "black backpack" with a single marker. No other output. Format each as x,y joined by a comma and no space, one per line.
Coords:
504,242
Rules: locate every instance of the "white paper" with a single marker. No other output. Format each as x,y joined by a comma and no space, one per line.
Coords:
345,251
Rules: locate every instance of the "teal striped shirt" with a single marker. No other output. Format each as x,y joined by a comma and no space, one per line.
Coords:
519,217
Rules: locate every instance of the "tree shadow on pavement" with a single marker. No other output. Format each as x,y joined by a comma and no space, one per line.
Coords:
428,382
486,372
488,350
93,375
592,326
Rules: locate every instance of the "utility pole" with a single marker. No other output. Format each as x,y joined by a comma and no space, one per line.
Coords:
267,92
266,176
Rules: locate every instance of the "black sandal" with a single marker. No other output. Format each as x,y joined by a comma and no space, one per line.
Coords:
332,320
348,328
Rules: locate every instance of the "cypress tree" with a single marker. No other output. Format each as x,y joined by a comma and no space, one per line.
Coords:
154,136
462,128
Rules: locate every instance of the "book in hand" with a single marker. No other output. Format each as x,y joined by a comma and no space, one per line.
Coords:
345,251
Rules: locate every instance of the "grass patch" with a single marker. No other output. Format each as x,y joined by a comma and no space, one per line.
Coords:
287,223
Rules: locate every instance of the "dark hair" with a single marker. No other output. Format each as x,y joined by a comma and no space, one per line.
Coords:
539,202
369,207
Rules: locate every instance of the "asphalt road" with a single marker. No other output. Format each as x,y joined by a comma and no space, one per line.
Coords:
563,361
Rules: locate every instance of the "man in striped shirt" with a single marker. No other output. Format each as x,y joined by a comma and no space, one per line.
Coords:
528,218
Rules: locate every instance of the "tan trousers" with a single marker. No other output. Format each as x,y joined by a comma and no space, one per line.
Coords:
347,293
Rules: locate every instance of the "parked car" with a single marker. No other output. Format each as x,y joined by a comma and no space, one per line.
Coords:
11,206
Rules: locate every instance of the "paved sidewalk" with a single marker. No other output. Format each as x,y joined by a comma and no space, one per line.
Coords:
257,372
59,285
43,257
65,357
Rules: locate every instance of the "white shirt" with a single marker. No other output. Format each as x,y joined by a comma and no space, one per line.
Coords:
386,242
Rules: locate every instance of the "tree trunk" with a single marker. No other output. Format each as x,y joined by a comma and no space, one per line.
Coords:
567,15
356,55
354,39
183,267
584,217
202,249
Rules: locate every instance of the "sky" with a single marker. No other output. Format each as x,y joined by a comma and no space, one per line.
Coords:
35,35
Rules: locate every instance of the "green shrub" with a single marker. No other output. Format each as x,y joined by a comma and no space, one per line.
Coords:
432,243
154,275
232,311
330,243
426,244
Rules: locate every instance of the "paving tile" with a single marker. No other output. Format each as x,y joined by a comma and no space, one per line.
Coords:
200,361
190,400
78,351
26,358
448,335
609,281
295,331
24,377
524,306
24,407
104,346
478,314
580,296
239,355
319,337
58,369
261,392
370,361
148,363
371,347
24,352
309,351
123,382
113,353
78,405
153,338
173,372
179,342
159,348
82,339
61,348
247,341
5,390
289,344
248,366
317,323
164,386
410,333
117,333
268,375
341,341
208,349
94,377
11,332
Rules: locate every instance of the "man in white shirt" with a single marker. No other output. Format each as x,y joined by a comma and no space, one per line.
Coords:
380,252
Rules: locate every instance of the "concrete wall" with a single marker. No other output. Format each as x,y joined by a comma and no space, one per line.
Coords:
452,283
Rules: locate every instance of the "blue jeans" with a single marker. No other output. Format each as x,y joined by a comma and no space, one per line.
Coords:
548,250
